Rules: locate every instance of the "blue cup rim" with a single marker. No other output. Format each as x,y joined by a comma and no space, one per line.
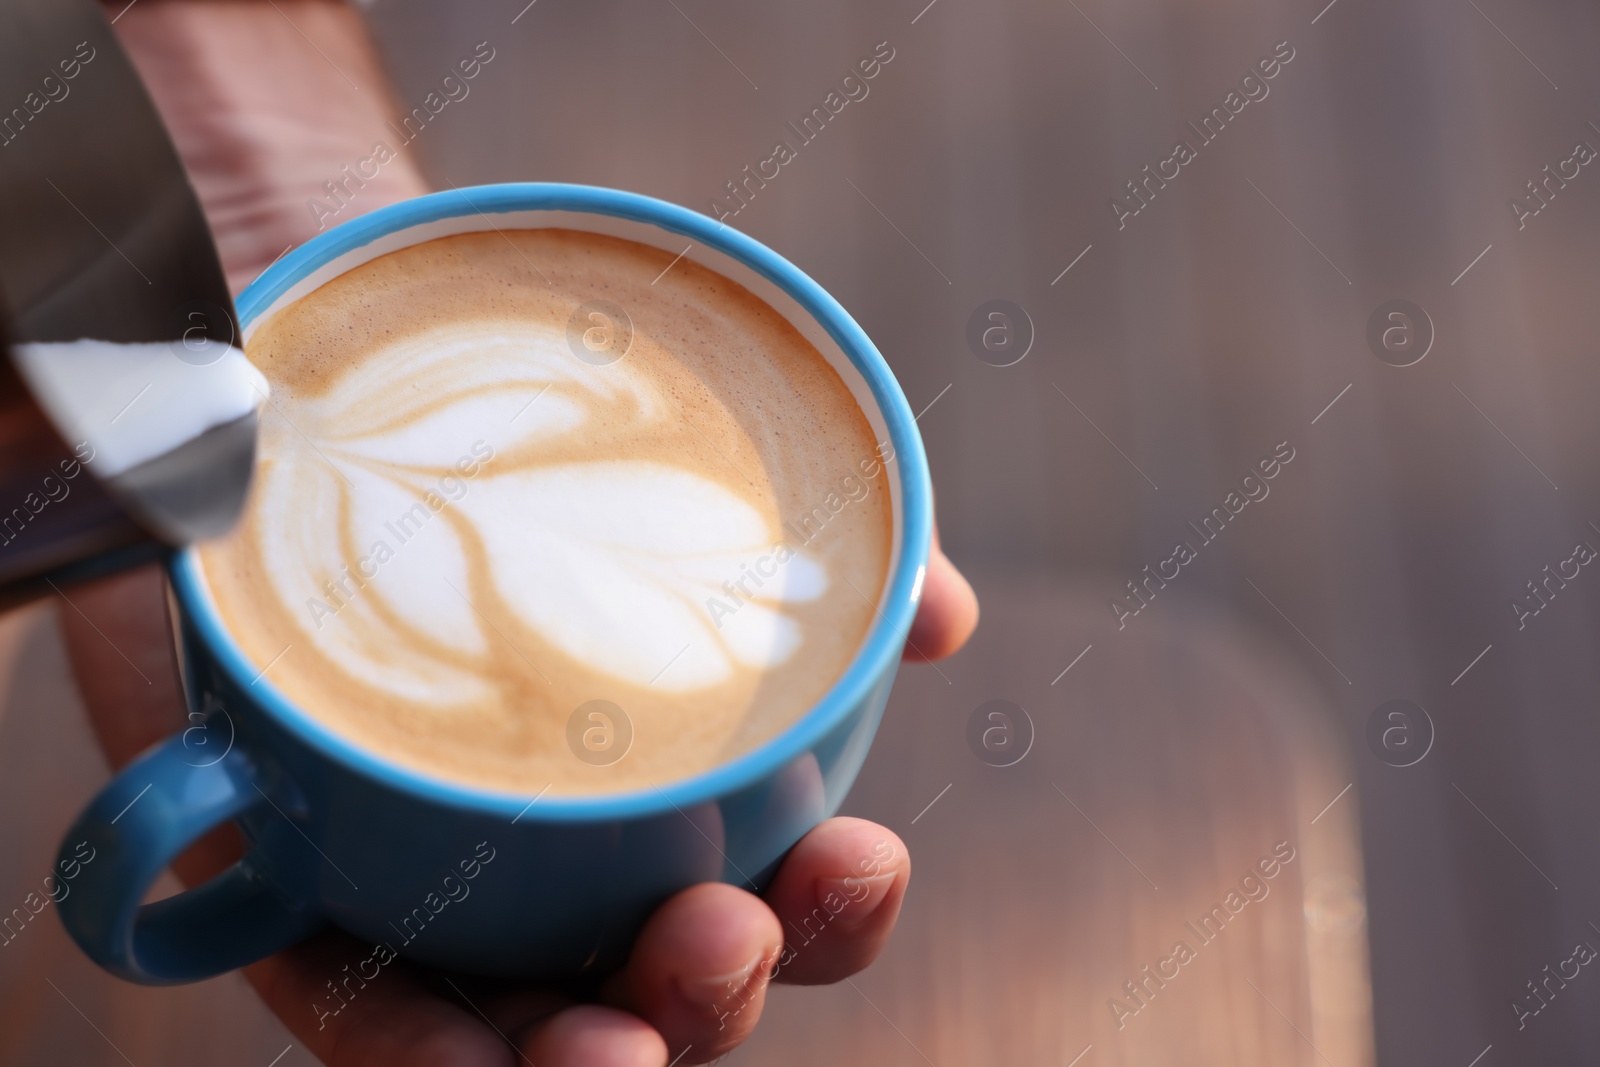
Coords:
879,652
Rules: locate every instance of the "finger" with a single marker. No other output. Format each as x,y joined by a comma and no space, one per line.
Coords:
353,1007
547,1029
121,651
948,613
594,1036
838,894
353,1010
699,970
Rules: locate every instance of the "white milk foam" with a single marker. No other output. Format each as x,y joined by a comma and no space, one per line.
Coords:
610,561
134,402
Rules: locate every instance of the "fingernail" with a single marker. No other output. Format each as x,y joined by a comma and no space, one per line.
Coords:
727,994
851,901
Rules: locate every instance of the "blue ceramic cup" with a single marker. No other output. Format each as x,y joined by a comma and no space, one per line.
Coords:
439,872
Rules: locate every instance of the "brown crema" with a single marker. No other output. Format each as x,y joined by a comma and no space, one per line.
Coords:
462,533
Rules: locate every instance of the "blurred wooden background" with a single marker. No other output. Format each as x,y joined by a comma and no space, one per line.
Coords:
1223,319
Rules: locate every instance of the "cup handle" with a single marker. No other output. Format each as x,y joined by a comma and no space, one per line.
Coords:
142,820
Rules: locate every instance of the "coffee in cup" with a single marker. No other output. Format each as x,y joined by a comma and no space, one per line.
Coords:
547,509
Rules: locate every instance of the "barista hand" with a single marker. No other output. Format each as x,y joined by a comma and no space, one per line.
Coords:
697,978
262,121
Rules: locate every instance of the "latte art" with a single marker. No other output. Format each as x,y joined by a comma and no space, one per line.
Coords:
461,532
